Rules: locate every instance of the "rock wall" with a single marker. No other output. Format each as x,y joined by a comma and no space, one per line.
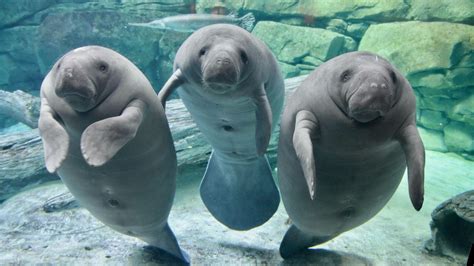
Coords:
34,34
431,42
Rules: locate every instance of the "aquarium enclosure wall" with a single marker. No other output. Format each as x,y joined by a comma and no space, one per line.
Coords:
430,42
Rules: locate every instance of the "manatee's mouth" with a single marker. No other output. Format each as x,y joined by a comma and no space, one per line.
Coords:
365,116
80,99
219,88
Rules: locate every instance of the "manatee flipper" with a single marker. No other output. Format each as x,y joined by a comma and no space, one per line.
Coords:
296,241
166,241
306,129
414,150
54,136
241,195
176,80
263,128
103,139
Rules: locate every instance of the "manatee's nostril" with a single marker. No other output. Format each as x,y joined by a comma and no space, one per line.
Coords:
228,128
113,203
373,85
68,72
383,86
223,61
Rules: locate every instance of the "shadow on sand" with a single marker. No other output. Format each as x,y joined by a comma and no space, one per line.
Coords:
326,257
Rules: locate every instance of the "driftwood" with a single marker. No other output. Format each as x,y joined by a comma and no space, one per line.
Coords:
21,106
22,161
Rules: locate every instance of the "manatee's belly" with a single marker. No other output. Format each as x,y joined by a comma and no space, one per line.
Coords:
229,125
129,193
350,189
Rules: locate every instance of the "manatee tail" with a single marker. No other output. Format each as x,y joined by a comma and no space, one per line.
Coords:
166,241
296,241
241,195
247,22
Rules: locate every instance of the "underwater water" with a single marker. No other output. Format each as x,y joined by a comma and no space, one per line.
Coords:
430,42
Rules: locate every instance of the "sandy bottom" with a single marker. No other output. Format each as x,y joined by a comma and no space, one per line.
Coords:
395,236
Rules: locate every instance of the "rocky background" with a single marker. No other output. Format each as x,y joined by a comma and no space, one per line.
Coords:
431,42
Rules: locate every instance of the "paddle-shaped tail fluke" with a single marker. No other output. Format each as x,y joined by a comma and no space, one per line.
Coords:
166,241
240,195
296,241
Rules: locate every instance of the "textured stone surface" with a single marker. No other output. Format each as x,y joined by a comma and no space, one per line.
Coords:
421,46
93,22
459,137
433,119
62,32
19,69
379,10
71,235
443,10
301,46
452,226
433,140
13,11
463,111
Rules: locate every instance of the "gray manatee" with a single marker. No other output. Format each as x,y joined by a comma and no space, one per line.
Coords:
346,136
231,84
105,133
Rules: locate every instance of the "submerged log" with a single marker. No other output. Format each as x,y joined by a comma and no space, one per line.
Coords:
21,106
22,161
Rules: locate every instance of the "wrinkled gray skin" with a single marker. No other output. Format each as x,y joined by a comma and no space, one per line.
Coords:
346,136
232,86
105,133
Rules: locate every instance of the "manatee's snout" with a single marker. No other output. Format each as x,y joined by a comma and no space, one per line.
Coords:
371,100
221,70
75,87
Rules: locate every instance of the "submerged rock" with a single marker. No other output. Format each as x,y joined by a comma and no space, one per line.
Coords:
62,32
452,226
432,139
415,47
305,48
378,10
459,137
446,10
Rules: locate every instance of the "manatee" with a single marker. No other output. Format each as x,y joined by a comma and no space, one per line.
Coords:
231,84
346,136
106,135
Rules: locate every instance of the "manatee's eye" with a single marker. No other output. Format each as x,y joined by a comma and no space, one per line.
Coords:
346,75
393,76
244,57
103,67
59,65
202,52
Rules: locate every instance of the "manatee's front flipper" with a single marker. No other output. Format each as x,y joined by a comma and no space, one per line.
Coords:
54,136
412,145
166,241
103,139
176,80
263,128
296,241
241,195
306,129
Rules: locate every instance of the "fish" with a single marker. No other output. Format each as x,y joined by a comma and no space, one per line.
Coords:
193,22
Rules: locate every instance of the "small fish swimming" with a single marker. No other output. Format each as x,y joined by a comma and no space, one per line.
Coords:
193,22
